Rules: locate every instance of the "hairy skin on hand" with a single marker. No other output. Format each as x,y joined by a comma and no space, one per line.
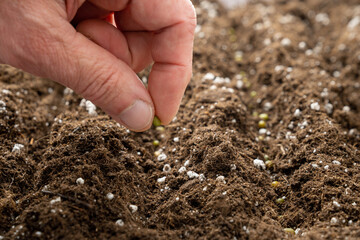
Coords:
99,60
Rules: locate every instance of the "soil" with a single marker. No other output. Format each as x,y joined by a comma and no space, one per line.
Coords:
297,61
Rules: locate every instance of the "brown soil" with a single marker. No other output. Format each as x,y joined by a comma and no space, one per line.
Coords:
314,153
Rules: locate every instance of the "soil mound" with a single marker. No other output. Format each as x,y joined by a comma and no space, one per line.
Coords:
265,145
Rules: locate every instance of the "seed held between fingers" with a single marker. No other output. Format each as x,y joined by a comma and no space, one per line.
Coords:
156,122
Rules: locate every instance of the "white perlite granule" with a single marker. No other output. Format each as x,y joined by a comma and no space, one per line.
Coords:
346,109
286,42
133,208
167,168
259,164
110,196
5,92
239,84
202,177
221,179
17,148
80,181
187,163
315,106
262,131
268,106
119,222
58,199
302,45
89,106
354,23
182,169
161,180
329,108
208,76
2,106
322,18
297,113
334,220
192,174
161,157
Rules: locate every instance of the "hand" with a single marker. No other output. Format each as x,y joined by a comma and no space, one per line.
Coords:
99,61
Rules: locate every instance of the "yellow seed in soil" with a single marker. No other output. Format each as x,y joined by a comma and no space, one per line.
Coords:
156,122
266,157
262,124
233,38
157,153
289,230
160,128
253,93
238,58
275,184
156,143
280,200
269,164
246,82
231,31
261,138
264,116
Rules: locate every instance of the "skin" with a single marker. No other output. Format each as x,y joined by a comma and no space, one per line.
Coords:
98,60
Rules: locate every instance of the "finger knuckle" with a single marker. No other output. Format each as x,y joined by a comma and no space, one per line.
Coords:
99,86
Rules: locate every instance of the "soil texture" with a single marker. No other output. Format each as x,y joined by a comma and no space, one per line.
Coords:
265,145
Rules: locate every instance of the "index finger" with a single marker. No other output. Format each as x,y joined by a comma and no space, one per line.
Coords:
173,24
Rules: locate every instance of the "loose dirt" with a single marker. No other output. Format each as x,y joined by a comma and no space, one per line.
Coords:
297,177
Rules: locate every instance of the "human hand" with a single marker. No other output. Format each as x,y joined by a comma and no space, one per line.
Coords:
100,61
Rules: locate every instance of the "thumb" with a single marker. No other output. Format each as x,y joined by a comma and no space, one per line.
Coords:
48,46
73,60
108,82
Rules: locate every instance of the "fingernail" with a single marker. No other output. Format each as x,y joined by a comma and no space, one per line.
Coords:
138,116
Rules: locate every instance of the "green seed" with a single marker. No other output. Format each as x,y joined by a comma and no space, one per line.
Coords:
289,230
156,122
275,184
253,93
255,114
266,157
246,81
269,164
231,31
264,116
280,200
262,124
233,38
156,143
